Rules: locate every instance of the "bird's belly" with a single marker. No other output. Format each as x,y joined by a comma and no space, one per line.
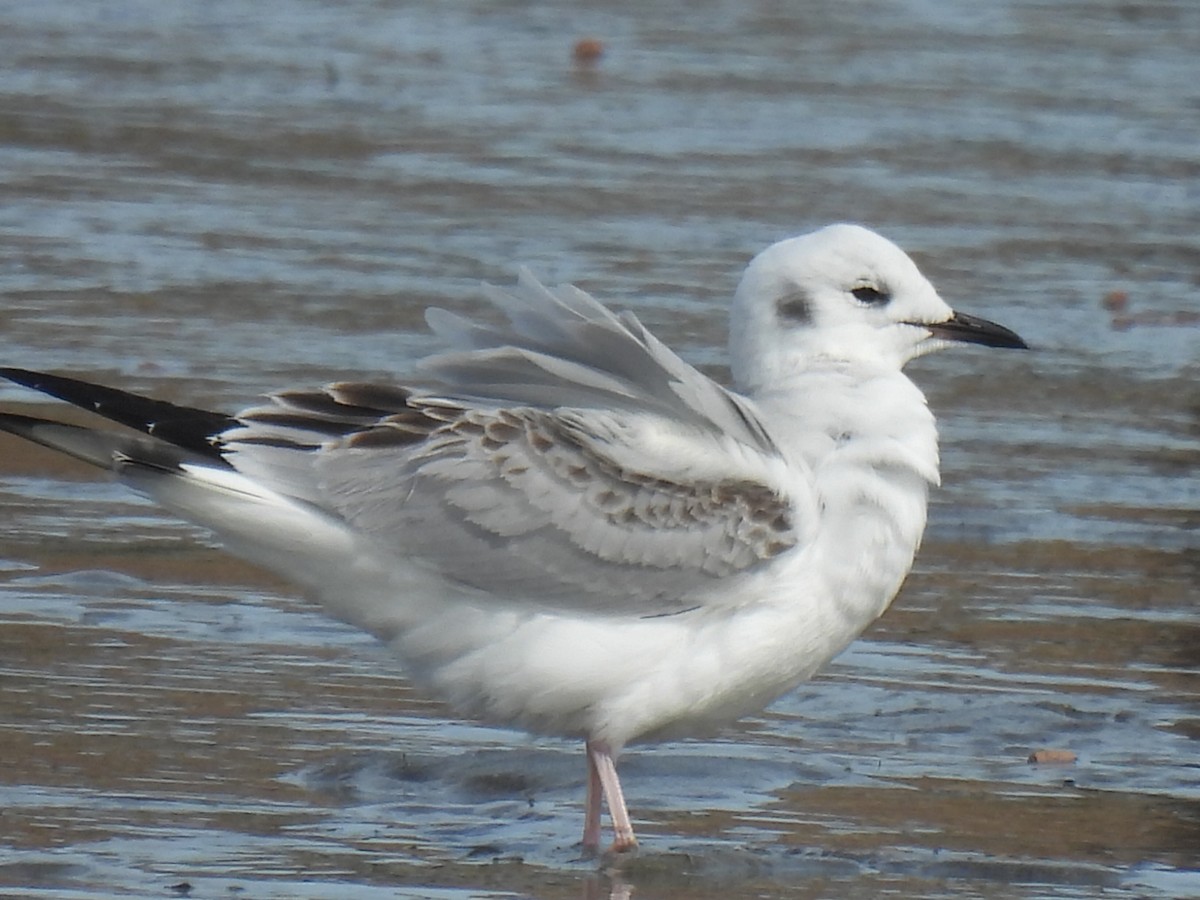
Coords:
622,678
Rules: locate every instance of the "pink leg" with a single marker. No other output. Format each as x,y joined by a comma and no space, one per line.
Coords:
604,770
591,816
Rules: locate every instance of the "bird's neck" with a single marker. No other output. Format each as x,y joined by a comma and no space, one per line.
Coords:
841,413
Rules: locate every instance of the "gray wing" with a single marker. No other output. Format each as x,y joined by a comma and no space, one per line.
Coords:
569,460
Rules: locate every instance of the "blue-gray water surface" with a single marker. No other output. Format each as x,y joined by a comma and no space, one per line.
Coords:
209,201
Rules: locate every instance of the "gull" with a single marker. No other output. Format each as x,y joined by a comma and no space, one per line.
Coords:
560,525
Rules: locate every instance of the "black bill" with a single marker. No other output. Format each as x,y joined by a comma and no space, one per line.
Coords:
973,330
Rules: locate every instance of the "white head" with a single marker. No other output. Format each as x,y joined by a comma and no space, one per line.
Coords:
842,294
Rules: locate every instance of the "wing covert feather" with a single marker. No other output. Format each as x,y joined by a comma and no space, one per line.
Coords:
525,504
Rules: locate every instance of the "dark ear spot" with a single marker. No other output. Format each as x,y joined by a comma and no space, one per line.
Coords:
795,306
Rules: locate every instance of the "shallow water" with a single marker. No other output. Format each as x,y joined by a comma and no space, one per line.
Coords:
207,203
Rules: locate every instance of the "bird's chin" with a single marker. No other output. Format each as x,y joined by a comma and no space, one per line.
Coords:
927,343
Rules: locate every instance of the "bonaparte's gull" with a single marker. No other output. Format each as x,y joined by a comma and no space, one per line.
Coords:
559,524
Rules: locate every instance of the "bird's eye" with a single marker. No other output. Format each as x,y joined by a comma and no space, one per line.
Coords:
870,295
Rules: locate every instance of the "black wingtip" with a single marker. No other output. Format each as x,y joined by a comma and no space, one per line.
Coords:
186,427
